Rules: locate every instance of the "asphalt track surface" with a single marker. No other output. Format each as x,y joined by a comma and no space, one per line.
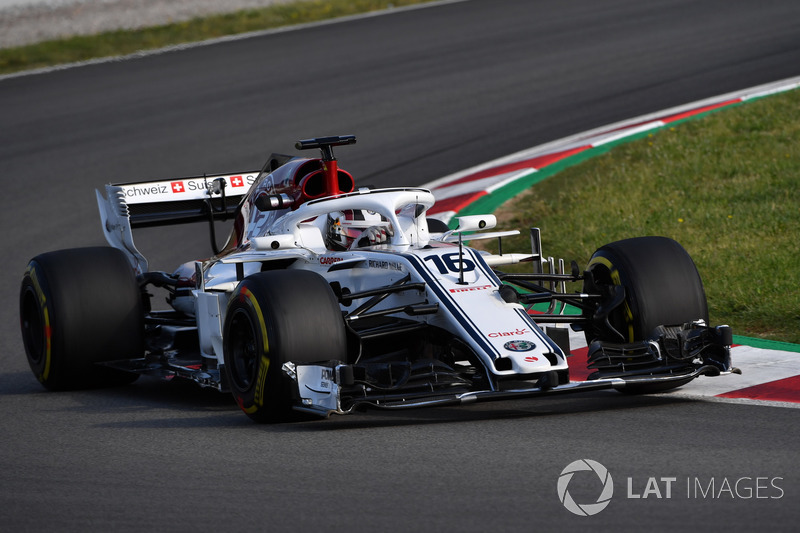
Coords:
428,92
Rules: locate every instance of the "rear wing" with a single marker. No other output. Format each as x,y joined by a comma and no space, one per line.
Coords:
173,201
158,203
181,200
178,201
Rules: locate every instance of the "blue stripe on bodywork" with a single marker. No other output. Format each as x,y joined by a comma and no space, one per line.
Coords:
452,306
539,333
489,273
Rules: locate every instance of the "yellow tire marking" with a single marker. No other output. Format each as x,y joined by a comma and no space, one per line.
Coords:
263,368
258,399
616,280
250,296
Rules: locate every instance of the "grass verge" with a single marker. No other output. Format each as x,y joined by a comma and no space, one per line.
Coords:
122,42
727,187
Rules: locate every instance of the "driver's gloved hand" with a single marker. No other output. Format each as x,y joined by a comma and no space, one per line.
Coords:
375,235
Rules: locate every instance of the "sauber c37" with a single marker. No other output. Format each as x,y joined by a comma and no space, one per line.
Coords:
328,298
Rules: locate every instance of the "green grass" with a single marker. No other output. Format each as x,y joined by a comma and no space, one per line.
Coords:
122,42
726,186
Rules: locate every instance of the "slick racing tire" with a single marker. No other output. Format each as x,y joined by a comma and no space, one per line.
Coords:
272,318
662,288
80,307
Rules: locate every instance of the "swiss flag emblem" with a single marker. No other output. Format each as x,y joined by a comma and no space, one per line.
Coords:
237,181
177,186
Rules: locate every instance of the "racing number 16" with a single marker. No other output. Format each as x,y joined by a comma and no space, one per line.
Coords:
449,263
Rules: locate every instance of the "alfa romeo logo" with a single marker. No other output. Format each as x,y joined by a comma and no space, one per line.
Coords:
585,509
519,346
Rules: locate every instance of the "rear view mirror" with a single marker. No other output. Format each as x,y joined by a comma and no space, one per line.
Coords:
475,223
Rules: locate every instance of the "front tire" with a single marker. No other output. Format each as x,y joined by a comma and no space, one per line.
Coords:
80,307
272,318
662,288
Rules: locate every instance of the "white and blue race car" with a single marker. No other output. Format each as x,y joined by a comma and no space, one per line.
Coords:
329,298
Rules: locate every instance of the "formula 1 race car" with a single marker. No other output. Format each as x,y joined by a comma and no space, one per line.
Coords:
329,298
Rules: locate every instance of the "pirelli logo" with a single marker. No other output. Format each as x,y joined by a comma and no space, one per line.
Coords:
471,289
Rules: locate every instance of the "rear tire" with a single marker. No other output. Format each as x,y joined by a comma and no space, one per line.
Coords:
273,318
80,307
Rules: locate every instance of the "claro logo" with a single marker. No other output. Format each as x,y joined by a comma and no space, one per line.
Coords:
517,332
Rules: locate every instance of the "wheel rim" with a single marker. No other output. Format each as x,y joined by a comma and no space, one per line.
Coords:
33,331
243,349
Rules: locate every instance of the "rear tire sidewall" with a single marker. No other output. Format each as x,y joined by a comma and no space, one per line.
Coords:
80,307
273,318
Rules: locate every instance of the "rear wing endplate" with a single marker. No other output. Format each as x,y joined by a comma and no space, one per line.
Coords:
158,203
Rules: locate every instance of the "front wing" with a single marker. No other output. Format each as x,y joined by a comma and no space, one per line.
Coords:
319,389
